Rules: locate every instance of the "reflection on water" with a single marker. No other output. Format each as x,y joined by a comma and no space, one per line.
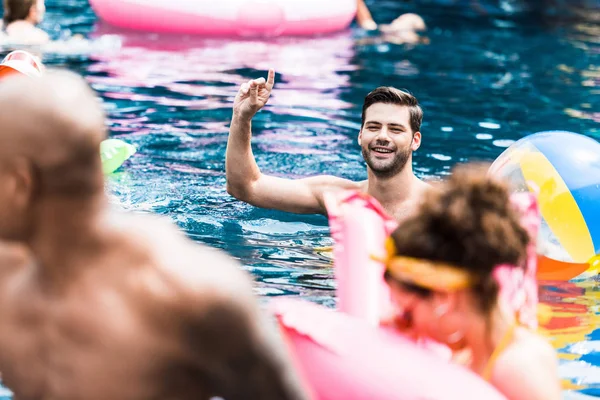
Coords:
488,76
575,331
173,100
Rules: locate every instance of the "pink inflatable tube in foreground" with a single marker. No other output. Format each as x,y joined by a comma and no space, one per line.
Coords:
229,17
344,354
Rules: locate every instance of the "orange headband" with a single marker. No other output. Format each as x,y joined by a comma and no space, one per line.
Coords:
428,274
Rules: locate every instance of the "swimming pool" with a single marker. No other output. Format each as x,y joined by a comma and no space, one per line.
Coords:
484,81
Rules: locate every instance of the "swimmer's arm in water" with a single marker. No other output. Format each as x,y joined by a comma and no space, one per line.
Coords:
528,371
244,178
363,16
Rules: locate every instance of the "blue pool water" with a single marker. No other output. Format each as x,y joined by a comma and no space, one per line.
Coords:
488,77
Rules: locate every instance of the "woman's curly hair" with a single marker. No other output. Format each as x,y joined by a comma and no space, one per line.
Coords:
467,221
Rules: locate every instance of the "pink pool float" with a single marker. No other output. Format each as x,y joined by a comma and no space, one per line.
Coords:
340,357
229,17
345,354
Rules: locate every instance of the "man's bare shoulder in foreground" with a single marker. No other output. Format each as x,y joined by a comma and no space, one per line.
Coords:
156,316
219,324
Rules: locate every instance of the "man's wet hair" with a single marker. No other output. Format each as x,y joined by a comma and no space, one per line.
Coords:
391,95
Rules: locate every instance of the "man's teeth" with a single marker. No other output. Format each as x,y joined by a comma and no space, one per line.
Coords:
383,151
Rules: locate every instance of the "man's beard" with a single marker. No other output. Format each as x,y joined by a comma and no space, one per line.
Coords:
387,168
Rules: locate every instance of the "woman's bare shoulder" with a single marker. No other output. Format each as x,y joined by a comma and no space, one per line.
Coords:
528,369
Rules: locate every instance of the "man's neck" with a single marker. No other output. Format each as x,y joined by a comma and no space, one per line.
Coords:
65,233
395,190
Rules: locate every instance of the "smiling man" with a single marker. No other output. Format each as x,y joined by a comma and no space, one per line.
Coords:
390,133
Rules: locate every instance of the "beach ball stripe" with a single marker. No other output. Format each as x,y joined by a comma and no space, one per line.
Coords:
558,206
583,186
580,173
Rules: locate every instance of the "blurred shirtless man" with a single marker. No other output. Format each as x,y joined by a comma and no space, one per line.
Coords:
100,305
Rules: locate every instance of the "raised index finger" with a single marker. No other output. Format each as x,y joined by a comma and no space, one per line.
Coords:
271,79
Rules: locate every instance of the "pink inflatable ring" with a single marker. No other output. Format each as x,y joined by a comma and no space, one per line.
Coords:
229,17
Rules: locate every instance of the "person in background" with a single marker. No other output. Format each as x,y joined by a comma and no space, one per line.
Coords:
403,30
99,304
21,18
461,270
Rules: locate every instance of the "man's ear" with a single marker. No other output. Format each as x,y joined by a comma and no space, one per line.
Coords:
22,173
416,142
33,11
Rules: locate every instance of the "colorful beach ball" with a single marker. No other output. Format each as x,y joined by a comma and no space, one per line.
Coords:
565,168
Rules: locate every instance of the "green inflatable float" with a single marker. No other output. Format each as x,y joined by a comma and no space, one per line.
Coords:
114,153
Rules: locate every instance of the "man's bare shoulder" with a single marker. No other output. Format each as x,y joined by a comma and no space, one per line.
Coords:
25,34
363,186
201,304
422,188
192,267
332,182
13,258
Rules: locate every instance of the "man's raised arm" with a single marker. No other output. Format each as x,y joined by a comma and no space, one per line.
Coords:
247,183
